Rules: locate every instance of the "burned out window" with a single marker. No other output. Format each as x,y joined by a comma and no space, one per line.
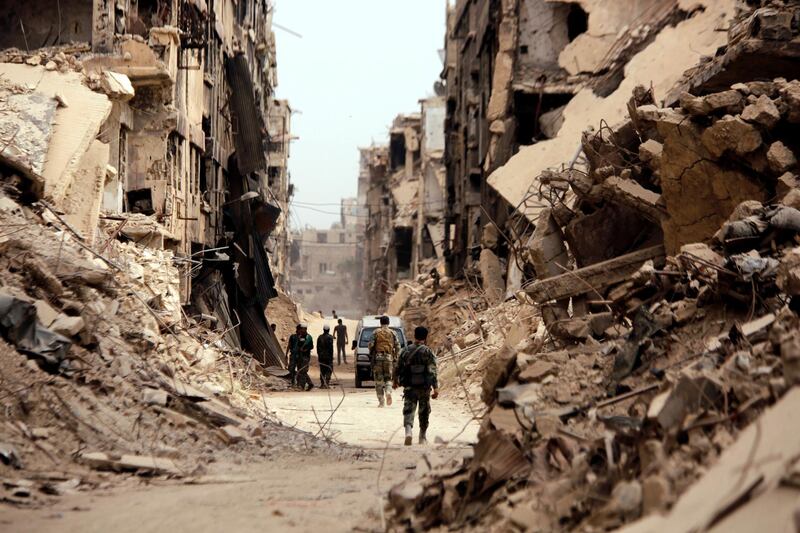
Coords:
577,21
403,238
322,238
397,150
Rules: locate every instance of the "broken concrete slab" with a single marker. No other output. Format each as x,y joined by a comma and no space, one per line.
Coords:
763,112
754,465
537,370
75,126
26,127
231,434
548,252
117,86
689,395
127,463
398,300
631,194
84,194
492,276
46,313
69,326
684,44
780,158
790,94
722,102
594,278
155,397
732,135
650,152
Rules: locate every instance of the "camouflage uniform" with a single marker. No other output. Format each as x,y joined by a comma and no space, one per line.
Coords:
383,362
417,396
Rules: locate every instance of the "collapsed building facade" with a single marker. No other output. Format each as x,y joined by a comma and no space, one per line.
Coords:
404,202
632,352
158,118
511,69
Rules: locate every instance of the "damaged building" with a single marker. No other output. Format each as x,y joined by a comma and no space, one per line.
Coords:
512,70
158,118
404,208
326,273
632,352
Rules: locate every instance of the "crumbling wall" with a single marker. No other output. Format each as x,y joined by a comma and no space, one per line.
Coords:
543,34
606,19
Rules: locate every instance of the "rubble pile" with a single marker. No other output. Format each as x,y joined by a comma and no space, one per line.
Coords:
102,374
663,338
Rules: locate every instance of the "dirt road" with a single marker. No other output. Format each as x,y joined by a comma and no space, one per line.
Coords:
336,489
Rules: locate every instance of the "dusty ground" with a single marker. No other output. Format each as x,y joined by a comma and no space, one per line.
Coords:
297,490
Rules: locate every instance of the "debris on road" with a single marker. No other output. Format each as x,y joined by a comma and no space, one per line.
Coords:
652,341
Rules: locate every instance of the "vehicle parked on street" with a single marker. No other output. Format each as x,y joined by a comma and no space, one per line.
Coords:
366,326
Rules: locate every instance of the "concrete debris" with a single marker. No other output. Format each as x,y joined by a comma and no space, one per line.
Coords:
622,401
136,463
780,158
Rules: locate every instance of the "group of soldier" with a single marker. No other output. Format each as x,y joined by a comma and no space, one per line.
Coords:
413,368
299,351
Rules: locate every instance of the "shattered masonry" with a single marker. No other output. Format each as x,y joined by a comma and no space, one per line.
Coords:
160,118
620,306
401,191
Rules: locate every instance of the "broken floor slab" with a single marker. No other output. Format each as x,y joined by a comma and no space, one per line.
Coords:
753,466
130,463
594,278
75,127
660,65
26,127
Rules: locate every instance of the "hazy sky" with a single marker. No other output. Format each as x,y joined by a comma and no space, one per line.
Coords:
358,64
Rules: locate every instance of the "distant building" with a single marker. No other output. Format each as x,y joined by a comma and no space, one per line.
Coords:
325,273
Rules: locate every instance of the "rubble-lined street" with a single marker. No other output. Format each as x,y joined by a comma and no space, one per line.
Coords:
569,265
337,488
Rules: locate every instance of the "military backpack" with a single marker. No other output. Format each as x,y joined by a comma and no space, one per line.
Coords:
415,372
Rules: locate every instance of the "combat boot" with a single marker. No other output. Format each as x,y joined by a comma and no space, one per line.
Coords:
422,439
380,401
388,398
409,436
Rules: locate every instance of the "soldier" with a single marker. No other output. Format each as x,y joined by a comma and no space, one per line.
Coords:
416,372
304,346
291,351
340,334
383,349
325,357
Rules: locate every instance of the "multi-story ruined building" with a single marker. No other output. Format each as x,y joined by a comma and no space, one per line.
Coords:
404,202
325,276
511,68
279,128
158,116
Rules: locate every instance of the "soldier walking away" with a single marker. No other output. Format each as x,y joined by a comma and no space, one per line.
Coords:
340,334
416,373
383,349
304,346
291,351
325,357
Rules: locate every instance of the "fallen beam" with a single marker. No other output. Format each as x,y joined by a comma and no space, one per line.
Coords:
594,278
